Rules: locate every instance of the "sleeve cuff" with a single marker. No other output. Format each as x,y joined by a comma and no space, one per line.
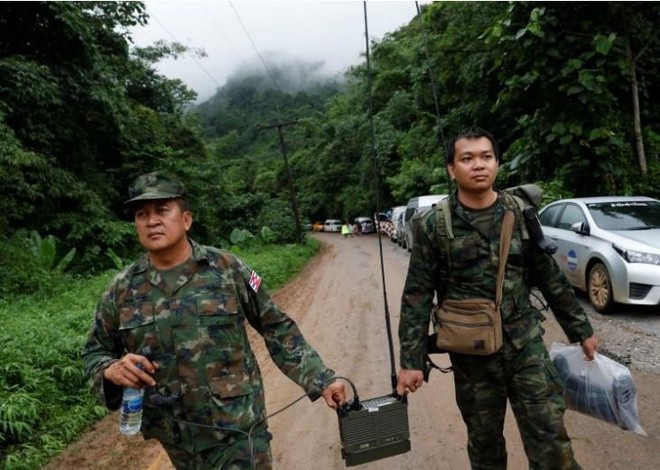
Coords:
412,361
108,392
581,334
112,395
320,382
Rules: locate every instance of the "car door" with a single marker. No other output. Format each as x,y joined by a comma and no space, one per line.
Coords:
573,250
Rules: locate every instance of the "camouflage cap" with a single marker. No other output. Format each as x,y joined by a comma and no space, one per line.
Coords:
151,186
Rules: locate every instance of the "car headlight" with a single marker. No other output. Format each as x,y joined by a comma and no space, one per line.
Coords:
633,256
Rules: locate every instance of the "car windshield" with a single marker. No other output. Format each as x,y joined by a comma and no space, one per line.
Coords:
626,215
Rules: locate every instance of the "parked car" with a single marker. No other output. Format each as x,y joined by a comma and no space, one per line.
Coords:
332,225
383,223
317,226
608,247
395,221
418,206
366,223
401,229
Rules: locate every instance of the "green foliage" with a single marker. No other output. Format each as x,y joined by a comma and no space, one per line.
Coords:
267,235
568,85
117,261
43,399
21,271
45,252
80,116
276,264
240,237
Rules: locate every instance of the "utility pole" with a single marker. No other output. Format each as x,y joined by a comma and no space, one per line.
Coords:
292,186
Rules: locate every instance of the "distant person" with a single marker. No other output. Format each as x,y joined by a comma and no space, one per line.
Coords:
521,370
174,322
358,229
346,229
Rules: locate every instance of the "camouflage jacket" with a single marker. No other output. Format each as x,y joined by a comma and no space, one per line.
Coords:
197,335
474,263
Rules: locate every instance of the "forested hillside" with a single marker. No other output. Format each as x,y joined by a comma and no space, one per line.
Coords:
569,89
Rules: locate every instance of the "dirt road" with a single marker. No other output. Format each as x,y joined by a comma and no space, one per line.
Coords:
338,303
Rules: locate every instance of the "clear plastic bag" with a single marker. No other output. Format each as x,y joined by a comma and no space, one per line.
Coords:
602,388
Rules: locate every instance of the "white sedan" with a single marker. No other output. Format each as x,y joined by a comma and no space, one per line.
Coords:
608,247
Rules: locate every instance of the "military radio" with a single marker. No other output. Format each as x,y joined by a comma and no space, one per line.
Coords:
373,429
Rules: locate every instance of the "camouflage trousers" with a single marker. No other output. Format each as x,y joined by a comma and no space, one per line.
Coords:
236,454
528,379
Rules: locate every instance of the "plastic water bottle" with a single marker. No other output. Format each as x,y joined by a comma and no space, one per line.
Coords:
130,415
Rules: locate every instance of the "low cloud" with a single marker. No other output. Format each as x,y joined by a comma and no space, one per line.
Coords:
283,71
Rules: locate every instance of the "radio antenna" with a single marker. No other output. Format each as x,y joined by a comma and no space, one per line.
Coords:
376,428
388,322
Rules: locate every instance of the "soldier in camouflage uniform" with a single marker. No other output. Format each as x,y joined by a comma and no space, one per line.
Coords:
174,322
521,371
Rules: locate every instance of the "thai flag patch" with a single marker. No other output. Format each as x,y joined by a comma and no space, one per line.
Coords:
255,281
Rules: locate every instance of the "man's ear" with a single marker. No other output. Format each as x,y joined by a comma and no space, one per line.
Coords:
187,220
450,170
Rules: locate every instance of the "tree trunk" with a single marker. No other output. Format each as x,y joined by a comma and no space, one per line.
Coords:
639,140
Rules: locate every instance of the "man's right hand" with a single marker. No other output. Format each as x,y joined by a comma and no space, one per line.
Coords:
132,370
409,380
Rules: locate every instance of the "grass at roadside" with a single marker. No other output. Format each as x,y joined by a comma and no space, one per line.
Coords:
44,399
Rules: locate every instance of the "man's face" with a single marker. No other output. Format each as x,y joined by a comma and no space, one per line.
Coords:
161,224
475,166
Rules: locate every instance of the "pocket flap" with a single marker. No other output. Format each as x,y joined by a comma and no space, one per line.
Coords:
467,311
230,386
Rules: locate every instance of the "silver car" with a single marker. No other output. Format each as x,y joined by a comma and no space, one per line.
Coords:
608,247
415,208
366,224
332,225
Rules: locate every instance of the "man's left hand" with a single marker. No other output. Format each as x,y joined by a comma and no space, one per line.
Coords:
589,347
335,394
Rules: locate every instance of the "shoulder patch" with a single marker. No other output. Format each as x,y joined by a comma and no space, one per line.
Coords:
255,281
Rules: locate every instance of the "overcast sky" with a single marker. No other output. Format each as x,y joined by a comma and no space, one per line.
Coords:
328,31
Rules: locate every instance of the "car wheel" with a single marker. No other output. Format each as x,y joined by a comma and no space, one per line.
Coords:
599,288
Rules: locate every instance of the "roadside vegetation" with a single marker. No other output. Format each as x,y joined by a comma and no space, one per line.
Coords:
569,89
44,399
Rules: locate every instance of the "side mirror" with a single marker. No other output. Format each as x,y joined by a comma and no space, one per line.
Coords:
581,228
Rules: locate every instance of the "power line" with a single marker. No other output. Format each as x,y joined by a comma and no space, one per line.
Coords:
210,14
199,64
258,53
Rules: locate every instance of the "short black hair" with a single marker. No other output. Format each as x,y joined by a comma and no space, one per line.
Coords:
470,133
183,204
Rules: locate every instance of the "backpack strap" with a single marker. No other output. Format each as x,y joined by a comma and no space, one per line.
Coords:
505,244
446,211
518,204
